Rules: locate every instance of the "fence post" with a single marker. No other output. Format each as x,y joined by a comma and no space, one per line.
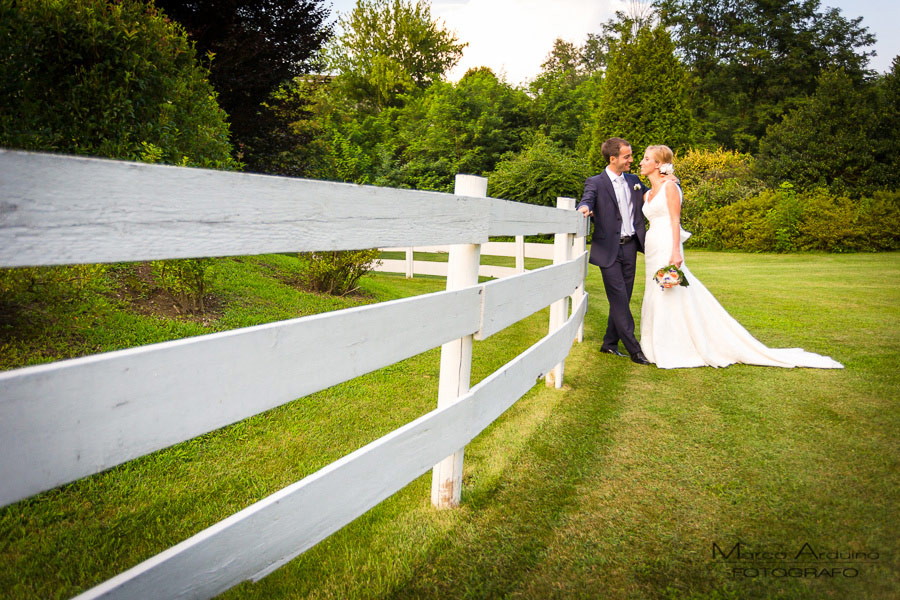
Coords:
578,247
456,356
559,310
409,263
520,254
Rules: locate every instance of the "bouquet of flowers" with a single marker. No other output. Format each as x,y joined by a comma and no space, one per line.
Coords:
670,276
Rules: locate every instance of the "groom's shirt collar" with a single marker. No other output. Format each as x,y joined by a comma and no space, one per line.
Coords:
611,174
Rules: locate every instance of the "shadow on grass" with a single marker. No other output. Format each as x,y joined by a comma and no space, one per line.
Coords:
512,522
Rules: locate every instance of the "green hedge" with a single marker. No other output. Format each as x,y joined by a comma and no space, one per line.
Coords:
782,220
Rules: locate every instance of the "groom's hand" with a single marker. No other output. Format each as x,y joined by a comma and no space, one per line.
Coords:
585,211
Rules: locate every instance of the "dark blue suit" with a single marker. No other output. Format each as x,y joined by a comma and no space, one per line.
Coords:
617,261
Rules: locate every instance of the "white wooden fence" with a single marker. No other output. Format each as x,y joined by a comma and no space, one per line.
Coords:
520,249
73,418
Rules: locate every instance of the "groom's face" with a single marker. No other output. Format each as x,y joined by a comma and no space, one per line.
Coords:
622,162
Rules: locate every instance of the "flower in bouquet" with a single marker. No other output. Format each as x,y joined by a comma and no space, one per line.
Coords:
669,277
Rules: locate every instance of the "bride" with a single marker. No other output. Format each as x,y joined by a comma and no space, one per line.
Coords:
684,326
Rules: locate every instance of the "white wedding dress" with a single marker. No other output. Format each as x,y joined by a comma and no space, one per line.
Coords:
684,326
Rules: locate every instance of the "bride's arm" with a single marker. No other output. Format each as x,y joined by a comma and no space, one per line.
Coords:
674,202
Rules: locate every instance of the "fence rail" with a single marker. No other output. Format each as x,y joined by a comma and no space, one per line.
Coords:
69,419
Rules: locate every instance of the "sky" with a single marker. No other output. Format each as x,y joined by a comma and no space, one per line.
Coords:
514,37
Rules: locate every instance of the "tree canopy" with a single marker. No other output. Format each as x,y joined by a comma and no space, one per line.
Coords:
753,60
254,46
645,96
388,48
106,79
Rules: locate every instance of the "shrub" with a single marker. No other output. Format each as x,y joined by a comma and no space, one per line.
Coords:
878,221
184,281
711,179
539,174
782,221
101,78
743,225
336,273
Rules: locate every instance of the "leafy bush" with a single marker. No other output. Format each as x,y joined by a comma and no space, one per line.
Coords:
101,78
712,179
878,221
539,174
184,281
783,221
336,273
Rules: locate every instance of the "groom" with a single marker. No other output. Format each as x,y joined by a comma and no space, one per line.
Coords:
614,198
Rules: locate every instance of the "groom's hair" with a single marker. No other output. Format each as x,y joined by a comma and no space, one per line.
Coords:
612,146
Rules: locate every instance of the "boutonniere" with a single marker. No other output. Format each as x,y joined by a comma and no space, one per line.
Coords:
637,186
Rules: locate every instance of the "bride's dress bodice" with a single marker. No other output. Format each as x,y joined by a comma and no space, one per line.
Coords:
686,326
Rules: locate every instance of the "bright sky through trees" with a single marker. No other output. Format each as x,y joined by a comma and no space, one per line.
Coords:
515,36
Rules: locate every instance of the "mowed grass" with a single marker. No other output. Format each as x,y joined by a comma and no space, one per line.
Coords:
616,486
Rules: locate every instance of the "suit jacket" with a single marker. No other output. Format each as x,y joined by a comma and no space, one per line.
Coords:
600,197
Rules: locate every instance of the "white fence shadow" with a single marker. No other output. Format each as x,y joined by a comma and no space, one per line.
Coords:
73,418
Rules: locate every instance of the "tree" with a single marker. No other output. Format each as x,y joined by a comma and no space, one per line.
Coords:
826,140
564,94
105,79
461,128
645,95
388,48
755,59
255,46
887,133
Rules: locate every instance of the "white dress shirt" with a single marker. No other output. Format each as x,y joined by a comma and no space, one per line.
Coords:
623,198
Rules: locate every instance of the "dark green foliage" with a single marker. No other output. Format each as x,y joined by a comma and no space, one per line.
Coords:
336,273
565,95
754,59
784,221
645,96
105,79
887,134
539,174
256,46
461,128
827,140
448,129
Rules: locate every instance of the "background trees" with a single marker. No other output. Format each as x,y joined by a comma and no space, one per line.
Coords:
645,96
753,60
388,48
255,46
750,95
106,79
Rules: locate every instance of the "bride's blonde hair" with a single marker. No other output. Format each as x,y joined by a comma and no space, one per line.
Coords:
661,154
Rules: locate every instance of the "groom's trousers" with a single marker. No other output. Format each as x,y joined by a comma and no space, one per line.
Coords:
618,281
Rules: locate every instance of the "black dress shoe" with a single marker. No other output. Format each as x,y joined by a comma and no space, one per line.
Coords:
611,351
639,358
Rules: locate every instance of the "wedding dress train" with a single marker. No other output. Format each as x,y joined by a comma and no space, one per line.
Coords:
685,326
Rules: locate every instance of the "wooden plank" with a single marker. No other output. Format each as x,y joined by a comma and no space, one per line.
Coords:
69,419
532,250
62,209
518,218
259,539
509,300
426,267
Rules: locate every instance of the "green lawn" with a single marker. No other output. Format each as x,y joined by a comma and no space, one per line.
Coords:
616,486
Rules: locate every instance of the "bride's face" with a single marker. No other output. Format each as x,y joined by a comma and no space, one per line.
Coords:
648,165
